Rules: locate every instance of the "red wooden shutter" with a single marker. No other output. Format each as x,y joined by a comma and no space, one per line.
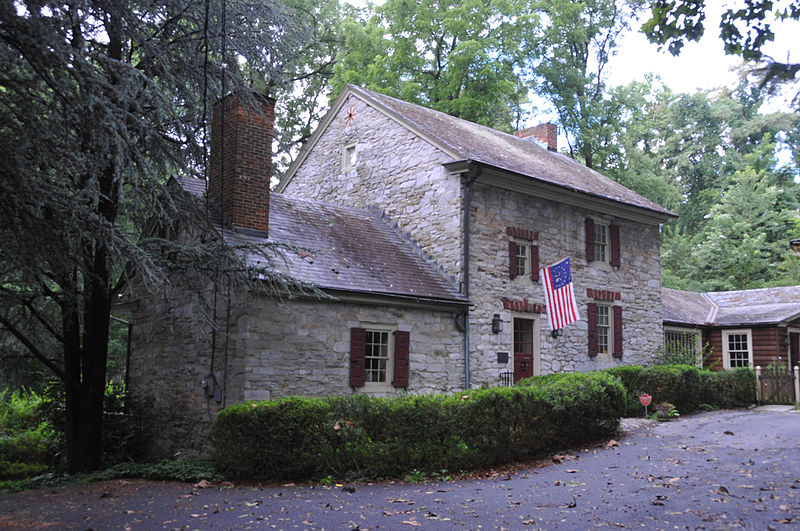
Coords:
617,332
592,316
614,237
512,260
535,263
401,347
589,240
358,350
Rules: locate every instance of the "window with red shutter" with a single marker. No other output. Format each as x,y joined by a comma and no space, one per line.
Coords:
401,358
589,240
592,317
358,347
512,259
617,353
614,237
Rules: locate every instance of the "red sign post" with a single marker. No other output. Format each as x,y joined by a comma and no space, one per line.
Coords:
645,399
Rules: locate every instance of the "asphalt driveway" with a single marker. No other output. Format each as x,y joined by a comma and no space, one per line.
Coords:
715,470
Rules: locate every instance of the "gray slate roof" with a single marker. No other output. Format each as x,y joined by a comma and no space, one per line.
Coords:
508,152
348,249
732,308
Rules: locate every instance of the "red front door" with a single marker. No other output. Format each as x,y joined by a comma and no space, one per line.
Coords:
523,348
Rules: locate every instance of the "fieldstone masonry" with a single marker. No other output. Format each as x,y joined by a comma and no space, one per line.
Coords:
560,229
396,171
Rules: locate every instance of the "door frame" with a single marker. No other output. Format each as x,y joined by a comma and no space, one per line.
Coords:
536,333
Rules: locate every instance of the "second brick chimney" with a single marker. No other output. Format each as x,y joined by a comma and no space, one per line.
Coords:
545,134
241,162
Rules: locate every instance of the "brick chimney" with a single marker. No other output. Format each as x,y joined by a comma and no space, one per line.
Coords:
241,163
544,134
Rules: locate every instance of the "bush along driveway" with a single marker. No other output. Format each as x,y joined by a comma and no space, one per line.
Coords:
717,470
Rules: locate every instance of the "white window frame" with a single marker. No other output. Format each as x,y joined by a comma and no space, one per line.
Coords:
349,157
611,325
523,244
698,339
379,387
602,250
726,359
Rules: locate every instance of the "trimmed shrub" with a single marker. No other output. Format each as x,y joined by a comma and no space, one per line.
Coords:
362,436
685,386
727,389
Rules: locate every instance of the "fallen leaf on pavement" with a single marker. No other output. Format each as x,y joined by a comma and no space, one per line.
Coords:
203,484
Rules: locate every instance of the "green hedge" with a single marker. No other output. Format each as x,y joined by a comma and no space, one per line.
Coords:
685,387
361,436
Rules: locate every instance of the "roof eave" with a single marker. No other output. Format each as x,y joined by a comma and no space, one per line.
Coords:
530,185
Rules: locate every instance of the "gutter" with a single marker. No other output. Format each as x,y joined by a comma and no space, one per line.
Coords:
473,172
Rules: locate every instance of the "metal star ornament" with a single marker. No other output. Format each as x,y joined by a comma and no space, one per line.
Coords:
350,116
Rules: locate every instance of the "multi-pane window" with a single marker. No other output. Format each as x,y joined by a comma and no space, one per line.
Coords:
683,345
600,242
523,259
737,349
377,356
603,329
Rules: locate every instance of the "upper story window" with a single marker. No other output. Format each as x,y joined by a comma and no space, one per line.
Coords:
737,349
523,259
523,253
602,242
349,157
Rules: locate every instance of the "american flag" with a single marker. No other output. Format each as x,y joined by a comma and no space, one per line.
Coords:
559,295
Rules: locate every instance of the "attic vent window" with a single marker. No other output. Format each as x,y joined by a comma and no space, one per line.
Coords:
349,157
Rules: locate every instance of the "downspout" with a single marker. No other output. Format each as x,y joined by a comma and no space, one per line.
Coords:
472,174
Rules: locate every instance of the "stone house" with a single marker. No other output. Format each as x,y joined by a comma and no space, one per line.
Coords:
427,232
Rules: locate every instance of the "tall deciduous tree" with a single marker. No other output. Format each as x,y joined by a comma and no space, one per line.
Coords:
459,57
99,102
577,40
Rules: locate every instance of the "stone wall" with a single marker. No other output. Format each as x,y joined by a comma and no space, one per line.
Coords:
303,347
273,349
171,357
396,171
561,233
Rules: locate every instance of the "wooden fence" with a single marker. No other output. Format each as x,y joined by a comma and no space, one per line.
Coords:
778,385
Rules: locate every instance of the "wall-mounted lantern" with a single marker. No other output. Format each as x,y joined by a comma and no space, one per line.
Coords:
785,339
497,324
556,333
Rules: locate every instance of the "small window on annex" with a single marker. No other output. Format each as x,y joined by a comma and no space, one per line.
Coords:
737,349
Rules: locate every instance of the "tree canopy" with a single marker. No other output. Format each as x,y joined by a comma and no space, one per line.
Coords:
100,102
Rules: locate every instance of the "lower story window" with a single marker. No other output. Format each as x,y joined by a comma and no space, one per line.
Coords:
603,328
682,345
377,356
737,349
